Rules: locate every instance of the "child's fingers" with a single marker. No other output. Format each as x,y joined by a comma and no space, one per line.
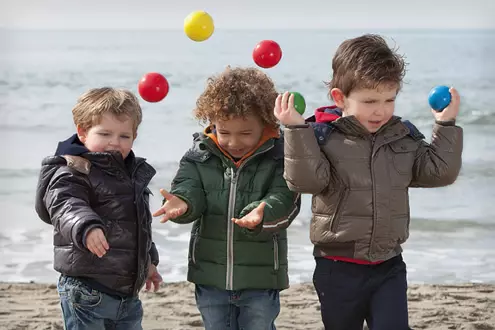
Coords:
156,284
148,285
103,242
177,212
100,249
285,98
278,104
291,102
94,248
244,223
456,98
238,222
166,194
261,208
165,218
159,212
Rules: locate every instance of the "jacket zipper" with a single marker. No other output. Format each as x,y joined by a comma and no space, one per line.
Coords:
229,276
373,188
139,238
230,231
275,253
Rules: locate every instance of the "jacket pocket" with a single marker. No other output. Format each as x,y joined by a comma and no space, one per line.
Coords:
276,263
85,297
194,242
334,224
403,157
400,228
324,225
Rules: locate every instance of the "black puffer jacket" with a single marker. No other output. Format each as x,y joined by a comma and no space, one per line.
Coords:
79,190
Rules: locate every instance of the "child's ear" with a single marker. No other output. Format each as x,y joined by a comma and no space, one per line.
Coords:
82,133
338,97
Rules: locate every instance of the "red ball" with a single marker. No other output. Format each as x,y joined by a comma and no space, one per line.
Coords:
153,87
267,54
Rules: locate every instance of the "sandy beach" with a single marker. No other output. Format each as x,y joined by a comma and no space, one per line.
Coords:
469,307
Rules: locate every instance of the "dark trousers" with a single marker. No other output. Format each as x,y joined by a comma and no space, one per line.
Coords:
350,293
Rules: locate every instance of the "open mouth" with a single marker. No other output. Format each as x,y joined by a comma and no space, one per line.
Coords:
236,152
375,122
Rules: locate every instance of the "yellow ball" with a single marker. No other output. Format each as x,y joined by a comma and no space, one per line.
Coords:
198,25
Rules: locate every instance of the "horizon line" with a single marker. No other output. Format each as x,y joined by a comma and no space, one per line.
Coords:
413,29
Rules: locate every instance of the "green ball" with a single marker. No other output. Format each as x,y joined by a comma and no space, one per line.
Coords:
299,102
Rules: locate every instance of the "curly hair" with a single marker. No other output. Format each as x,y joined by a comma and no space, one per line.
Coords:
366,62
238,92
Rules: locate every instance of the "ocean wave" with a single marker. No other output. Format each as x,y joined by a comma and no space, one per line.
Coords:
39,128
19,173
445,226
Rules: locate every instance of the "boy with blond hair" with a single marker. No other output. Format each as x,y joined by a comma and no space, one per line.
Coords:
94,193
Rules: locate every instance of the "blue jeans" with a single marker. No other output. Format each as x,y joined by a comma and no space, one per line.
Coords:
237,310
84,308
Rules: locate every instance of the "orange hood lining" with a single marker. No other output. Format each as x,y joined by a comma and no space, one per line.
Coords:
268,133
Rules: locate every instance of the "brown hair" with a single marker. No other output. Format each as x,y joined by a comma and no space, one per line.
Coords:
366,62
238,92
91,106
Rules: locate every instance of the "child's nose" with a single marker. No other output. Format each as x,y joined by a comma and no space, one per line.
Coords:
114,142
379,111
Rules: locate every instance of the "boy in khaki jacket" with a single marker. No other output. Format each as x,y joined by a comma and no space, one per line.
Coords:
358,161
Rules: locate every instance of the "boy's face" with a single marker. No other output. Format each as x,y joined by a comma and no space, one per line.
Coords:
112,133
371,107
238,136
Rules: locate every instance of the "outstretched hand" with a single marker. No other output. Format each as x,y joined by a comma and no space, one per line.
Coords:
172,208
252,219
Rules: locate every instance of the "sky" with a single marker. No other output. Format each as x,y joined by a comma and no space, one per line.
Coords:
249,14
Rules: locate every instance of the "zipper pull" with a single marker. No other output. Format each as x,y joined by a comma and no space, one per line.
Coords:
233,175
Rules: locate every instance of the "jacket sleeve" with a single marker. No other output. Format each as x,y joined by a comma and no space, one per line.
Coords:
307,170
154,255
187,185
282,205
438,164
67,202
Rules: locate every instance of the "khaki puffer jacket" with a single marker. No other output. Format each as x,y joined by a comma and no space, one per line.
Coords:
360,181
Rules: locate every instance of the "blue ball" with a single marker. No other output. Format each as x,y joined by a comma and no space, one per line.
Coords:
439,98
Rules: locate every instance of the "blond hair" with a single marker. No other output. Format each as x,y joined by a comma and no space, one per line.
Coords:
96,102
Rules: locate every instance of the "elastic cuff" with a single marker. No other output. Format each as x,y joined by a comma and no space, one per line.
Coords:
297,126
445,123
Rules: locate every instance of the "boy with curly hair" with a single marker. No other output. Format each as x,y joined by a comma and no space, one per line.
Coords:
230,185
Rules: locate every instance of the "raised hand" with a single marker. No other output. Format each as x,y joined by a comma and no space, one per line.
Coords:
285,111
450,112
